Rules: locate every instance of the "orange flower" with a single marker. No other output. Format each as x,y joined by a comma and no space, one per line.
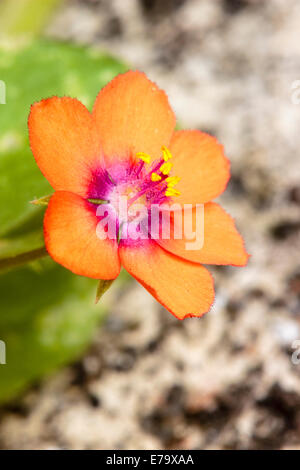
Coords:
127,147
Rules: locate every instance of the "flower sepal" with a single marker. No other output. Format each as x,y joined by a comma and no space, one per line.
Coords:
103,286
42,201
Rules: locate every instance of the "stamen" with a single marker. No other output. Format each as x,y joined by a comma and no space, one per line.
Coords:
155,177
172,181
166,153
172,192
144,157
166,168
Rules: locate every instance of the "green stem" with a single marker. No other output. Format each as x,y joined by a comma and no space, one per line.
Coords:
22,258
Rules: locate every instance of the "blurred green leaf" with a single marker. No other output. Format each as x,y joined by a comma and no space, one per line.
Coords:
31,72
24,16
47,319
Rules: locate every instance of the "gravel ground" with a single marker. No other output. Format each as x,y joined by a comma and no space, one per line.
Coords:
227,380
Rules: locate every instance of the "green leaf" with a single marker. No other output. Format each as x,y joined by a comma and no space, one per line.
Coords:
48,318
33,71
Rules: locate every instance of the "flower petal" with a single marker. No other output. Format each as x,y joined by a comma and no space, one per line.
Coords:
184,288
222,243
71,239
133,115
200,163
64,142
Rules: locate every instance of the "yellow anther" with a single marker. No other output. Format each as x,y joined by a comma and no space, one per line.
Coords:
172,181
166,153
155,177
144,157
166,168
172,192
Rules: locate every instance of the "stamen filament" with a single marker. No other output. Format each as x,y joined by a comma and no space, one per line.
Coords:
143,191
111,180
141,164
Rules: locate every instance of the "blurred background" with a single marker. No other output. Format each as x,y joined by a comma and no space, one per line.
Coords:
125,374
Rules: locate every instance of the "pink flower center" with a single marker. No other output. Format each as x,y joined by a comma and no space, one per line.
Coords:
130,189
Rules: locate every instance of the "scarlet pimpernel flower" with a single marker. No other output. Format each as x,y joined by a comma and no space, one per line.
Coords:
127,149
